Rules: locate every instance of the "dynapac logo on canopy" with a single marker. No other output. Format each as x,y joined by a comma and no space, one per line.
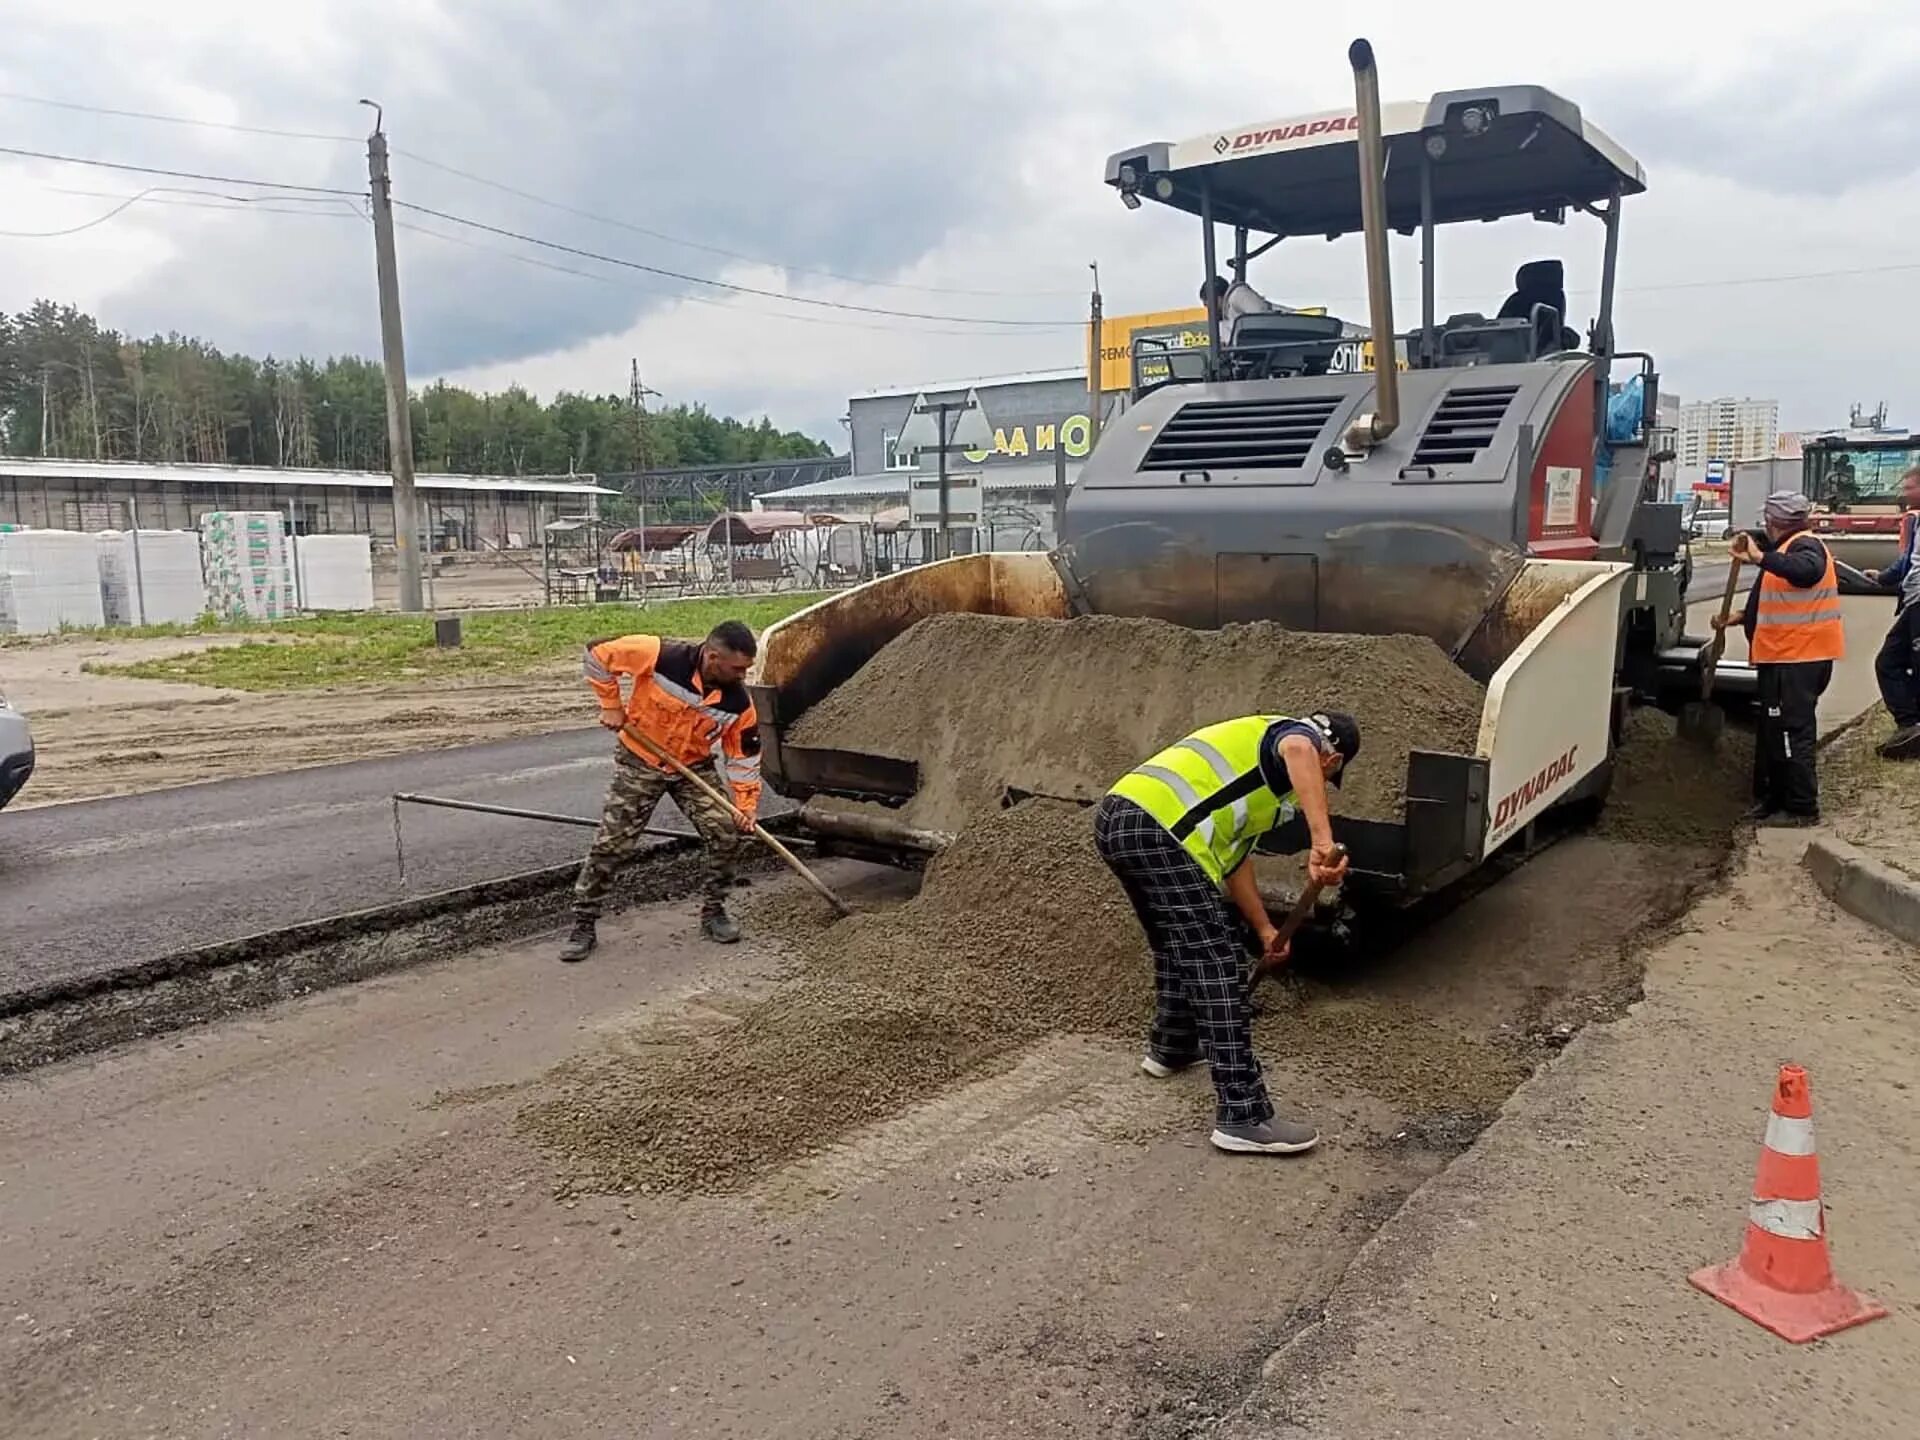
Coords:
1284,134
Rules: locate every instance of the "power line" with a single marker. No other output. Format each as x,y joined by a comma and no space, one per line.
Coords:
256,203
685,278
131,200
720,304
418,159
175,174
662,235
158,195
175,119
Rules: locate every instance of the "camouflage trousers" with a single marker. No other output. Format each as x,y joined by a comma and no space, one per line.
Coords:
636,790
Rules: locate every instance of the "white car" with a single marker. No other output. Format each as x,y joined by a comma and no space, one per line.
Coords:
16,751
1712,525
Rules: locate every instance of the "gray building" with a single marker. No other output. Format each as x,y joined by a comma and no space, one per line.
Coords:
460,512
1038,419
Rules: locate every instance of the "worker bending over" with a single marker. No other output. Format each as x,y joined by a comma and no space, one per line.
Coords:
1177,832
1897,666
1794,634
690,700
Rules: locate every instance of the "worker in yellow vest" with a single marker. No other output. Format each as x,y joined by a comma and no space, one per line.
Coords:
1177,831
1794,634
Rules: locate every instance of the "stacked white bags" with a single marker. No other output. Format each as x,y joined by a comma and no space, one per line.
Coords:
165,586
48,579
245,557
333,572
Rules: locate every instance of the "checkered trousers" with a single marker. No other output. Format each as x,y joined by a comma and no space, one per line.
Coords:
1199,966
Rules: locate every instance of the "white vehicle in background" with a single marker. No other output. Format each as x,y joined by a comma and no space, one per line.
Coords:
16,752
1711,525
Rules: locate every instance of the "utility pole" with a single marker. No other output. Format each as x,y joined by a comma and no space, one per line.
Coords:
393,354
1093,362
637,400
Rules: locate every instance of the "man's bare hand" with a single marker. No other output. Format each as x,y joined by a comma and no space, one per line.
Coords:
1274,950
1327,864
744,821
1720,622
612,716
1744,550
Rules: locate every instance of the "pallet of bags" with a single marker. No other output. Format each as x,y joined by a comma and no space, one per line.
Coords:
157,583
49,581
333,572
244,555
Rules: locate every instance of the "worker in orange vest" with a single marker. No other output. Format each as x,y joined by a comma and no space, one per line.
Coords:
1794,634
689,699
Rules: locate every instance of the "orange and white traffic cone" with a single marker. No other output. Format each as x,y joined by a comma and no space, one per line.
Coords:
1783,1278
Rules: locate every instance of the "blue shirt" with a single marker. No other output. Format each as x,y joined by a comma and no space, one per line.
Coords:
1273,765
1904,572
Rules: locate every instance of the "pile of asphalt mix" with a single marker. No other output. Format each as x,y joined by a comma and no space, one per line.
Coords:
1064,707
1673,791
1017,932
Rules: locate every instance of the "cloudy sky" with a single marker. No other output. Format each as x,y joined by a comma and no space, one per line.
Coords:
938,162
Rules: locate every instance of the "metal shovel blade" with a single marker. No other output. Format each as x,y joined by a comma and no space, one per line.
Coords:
1702,721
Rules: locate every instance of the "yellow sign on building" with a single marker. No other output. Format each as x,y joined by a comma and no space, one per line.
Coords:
1179,329
1183,330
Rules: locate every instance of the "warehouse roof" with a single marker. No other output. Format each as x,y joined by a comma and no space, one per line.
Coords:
1024,478
33,468
977,382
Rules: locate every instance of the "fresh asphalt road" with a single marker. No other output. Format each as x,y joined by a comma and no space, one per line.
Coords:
101,884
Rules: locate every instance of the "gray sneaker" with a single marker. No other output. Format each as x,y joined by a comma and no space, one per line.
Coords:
1152,1064
1903,744
1271,1137
579,943
719,927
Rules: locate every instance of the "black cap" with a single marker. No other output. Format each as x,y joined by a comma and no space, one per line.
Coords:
1342,735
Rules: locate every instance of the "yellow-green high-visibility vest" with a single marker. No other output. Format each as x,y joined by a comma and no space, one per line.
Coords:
1209,793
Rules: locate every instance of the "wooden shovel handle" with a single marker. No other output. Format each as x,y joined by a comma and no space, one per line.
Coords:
1302,908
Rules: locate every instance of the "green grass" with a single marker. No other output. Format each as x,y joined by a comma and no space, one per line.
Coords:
366,649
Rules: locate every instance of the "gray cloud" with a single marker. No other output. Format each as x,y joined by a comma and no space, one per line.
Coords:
1814,121
836,137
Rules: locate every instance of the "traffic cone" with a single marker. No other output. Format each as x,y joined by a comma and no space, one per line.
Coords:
1783,1278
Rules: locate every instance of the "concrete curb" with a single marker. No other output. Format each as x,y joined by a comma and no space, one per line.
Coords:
1877,893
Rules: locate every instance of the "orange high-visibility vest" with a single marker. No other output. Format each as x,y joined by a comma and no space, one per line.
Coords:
1795,625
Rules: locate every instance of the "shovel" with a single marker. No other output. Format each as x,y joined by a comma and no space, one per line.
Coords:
793,862
1701,720
1296,917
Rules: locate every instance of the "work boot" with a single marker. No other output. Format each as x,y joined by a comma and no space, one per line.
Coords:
718,926
1152,1064
1903,744
1790,820
1269,1137
579,942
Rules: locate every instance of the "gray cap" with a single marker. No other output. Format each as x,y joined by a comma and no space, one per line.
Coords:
1787,505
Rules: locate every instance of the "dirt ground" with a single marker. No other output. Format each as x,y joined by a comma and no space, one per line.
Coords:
100,735
467,582
332,1217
